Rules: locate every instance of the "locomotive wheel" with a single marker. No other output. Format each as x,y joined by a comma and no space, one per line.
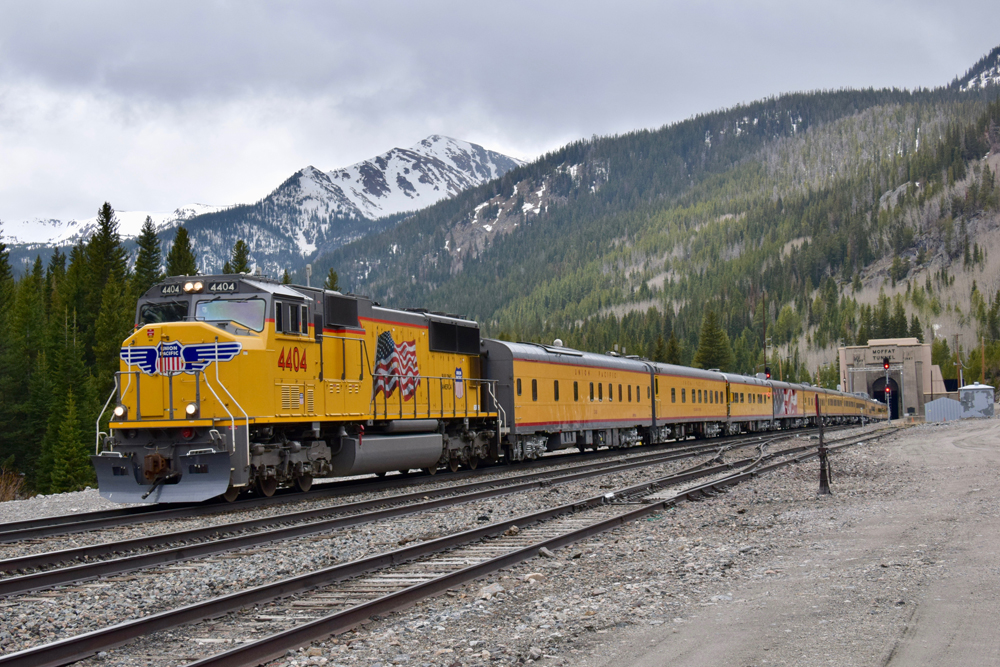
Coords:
453,465
304,482
473,462
431,471
231,494
267,486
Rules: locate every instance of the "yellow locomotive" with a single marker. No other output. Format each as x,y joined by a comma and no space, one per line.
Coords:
232,382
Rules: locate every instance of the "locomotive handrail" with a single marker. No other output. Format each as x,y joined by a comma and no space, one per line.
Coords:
245,415
97,426
473,382
501,413
232,419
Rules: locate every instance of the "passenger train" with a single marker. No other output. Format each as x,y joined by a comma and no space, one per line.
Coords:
235,383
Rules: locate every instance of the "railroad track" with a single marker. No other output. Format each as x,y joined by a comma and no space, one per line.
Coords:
371,591
18,531
213,540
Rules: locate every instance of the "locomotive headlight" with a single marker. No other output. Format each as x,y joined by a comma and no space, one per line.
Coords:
198,286
120,411
189,286
191,409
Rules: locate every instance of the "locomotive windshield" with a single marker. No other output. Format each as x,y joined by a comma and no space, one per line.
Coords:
171,311
246,312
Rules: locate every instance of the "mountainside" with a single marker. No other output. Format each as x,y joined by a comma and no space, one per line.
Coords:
984,73
824,210
311,212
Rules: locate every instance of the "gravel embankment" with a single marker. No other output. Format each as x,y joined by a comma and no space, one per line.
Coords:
46,616
662,572
651,573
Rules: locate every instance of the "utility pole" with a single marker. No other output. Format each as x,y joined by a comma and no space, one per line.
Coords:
982,359
958,362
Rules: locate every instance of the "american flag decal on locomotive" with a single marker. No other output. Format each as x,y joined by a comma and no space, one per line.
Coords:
174,357
395,365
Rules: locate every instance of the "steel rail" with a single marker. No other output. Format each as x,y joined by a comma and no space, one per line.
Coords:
442,497
276,645
17,531
75,648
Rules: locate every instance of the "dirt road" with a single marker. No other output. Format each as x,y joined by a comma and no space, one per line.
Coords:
912,581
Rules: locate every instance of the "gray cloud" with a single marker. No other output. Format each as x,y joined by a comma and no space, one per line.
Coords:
154,106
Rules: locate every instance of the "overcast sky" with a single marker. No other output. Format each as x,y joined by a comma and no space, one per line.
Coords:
155,105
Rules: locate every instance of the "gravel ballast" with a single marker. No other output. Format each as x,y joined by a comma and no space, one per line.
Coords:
664,574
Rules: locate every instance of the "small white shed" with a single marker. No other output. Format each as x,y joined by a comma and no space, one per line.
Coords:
976,400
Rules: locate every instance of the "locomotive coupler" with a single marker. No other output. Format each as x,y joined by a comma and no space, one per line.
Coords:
153,466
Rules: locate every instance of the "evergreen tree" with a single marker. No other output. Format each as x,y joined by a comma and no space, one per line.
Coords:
104,260
241,258
673,352
660,351
714,349
26,329
898,325
148,261
916,331
6,277
67,373
106,255
332,281
114,324
286,279
180,259
227,267
71,469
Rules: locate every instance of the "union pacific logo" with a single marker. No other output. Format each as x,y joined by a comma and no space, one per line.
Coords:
175,357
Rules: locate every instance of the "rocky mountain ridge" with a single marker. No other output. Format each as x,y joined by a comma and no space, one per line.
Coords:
310,212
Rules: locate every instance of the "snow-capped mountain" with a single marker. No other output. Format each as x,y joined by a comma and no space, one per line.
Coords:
314,212
60,233
402,179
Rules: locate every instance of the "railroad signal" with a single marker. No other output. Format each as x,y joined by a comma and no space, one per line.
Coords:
885,363
887,392
767,372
